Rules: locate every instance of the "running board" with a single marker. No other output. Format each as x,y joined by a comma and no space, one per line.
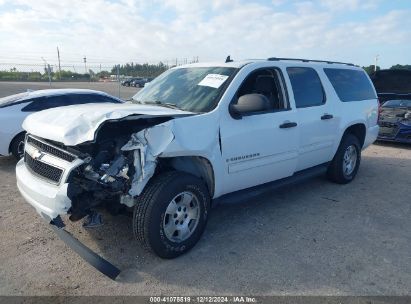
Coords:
102,265
249,193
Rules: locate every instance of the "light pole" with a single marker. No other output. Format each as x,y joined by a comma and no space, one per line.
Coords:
85,66
376,62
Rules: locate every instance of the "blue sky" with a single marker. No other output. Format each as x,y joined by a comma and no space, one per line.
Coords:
121,31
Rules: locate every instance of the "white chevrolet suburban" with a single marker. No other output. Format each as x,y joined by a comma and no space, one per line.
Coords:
197,134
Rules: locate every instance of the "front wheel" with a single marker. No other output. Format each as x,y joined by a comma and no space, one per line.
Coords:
171,214
345,164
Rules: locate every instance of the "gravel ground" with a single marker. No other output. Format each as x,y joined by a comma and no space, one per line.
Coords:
314,238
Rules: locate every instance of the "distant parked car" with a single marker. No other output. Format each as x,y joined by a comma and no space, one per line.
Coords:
15,108
138,82
148,80
127,82
395,121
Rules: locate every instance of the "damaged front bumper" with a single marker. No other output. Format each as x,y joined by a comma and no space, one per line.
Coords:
48,199
109,173
396,132
102,265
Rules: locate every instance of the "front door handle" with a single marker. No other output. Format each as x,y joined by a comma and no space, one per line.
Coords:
288,125
326,116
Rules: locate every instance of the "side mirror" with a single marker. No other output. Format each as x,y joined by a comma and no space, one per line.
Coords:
248,104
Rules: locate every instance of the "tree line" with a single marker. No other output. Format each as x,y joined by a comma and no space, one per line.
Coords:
129,69
371,68
140,70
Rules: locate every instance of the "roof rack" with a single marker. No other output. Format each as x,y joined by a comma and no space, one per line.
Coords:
309,60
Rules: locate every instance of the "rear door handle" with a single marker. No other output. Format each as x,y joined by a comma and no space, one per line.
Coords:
288,125
326,116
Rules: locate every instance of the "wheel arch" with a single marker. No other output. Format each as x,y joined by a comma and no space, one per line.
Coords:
196,165
11,141
357,129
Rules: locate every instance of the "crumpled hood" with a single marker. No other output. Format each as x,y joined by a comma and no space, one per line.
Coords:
76,124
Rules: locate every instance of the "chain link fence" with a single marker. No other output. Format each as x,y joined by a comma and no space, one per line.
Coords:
84,72
19,77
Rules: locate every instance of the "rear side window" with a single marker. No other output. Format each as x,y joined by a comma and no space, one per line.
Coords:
49,102
350,85
43,103
91,98
307,88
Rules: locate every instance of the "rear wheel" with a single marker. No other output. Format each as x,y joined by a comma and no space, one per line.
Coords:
345,164
171,214
17,146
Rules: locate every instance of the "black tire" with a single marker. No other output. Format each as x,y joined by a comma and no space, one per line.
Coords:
150,216
17,146
127,84
336,172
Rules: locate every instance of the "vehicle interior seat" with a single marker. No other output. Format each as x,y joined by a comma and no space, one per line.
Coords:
266,86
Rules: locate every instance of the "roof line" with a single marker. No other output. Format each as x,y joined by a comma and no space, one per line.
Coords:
309,60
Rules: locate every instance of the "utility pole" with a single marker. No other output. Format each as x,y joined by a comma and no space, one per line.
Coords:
376,62
118,80
85,64
47,68
58,56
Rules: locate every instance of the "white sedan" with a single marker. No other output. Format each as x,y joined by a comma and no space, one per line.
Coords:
15,108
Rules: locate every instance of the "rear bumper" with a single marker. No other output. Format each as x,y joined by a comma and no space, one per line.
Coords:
48,199
371,136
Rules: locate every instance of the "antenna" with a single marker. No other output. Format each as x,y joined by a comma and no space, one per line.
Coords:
228,59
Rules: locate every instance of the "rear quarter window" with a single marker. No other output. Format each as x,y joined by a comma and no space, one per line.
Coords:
48,102
350,85
43,103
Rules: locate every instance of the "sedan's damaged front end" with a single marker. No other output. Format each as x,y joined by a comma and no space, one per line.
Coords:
395,121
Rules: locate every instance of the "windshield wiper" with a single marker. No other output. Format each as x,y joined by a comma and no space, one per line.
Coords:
171,105
163,104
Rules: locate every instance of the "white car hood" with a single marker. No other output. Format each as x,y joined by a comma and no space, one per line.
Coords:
76,124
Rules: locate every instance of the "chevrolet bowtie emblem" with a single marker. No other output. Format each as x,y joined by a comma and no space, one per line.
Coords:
37,155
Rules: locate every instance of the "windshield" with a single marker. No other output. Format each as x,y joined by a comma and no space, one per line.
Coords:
397,104
190,89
